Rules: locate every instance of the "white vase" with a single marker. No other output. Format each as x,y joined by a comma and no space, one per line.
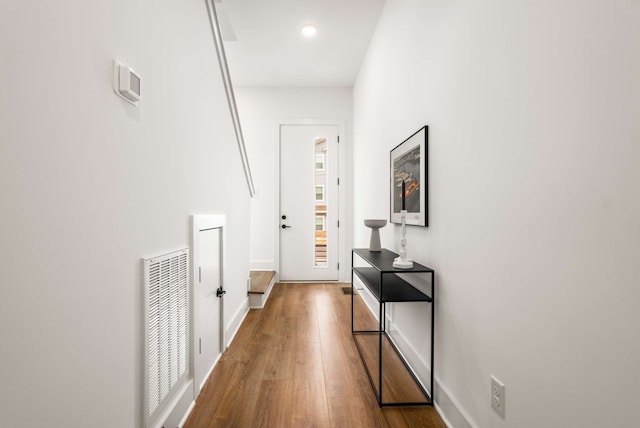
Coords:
375,225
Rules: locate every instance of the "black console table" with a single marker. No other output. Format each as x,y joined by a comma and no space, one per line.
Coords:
381,279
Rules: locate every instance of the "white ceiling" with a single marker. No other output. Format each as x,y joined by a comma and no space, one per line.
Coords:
269,50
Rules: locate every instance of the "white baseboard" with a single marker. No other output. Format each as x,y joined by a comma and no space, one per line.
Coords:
447,406
445,403
449,409
186,403
417,362
186,415
230,334
213,366
179,406
236,322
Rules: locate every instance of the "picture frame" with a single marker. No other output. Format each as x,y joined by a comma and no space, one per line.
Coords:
409,162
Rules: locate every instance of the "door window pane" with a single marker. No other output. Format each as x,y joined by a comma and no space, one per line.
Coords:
321,257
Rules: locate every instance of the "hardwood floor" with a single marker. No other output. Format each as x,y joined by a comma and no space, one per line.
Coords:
294,364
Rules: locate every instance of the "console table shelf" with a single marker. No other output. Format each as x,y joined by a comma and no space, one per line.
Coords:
382,280
395,289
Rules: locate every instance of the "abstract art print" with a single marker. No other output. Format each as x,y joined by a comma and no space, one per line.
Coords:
409,165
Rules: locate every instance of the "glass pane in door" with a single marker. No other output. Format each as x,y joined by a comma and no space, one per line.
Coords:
321,200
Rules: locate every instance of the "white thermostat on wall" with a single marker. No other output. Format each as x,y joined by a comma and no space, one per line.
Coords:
126,83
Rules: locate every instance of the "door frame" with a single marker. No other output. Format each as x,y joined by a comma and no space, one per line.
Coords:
343,190
200,223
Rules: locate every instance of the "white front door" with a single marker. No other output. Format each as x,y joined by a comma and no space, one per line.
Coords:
308,202
207,305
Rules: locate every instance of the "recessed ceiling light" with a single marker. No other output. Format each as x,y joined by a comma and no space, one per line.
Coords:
309,30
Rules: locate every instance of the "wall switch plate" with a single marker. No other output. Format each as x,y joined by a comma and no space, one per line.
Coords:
497,396
126,83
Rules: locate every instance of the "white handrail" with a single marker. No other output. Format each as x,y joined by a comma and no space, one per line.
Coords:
231,99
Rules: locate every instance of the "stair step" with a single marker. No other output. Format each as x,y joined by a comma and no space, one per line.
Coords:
260,281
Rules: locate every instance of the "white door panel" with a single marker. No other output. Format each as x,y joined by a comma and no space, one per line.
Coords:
308,203
207,347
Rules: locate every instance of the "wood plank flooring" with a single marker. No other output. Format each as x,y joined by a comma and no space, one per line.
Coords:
294,364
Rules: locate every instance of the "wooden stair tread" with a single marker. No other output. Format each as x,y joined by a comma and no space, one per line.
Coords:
260,280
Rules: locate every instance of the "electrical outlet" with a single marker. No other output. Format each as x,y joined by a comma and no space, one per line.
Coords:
497,396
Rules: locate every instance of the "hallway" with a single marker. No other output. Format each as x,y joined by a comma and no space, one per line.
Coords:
294,364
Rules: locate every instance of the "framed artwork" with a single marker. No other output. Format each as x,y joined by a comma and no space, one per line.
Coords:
409,162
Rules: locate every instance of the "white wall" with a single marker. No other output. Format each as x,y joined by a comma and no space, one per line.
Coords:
533,108
89,185
261,109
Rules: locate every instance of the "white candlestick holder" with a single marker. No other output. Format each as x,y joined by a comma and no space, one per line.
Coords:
403,262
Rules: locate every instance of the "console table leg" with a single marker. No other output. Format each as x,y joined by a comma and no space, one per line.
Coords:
380,334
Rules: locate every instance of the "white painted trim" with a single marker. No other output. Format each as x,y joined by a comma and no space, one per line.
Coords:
414,359
448,405
213,366
187,413
255,301
406,349
450,410
160,420
236,322
344,253
231,337
441,414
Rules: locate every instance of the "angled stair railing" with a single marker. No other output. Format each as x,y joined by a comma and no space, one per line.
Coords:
231,99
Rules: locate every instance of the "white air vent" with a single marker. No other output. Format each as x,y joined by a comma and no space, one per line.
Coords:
166,326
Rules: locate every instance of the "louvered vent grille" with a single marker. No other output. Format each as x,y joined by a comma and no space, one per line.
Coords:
166,298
